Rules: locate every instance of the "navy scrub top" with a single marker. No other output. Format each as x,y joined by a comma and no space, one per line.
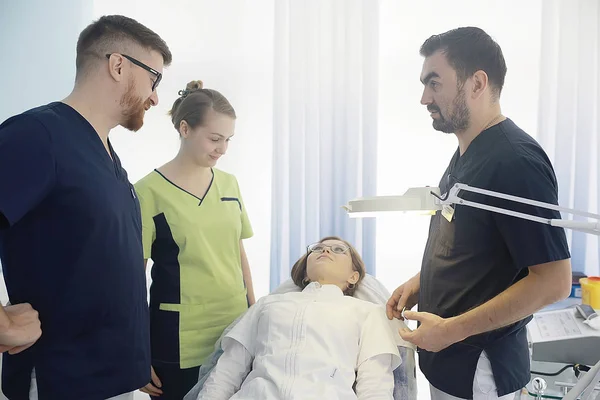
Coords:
71,246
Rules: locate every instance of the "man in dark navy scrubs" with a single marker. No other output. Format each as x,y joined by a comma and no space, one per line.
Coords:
70,230
483,273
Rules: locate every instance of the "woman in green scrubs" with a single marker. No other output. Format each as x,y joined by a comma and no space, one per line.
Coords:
193,224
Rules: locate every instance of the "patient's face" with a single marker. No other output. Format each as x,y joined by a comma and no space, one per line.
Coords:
325,265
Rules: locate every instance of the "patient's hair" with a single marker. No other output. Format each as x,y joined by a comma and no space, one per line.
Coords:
194,102
299,268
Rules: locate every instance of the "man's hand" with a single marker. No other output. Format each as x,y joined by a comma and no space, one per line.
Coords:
20,328
152,388
433,334
405,296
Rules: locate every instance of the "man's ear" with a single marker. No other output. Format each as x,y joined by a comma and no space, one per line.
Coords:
479,84
115,67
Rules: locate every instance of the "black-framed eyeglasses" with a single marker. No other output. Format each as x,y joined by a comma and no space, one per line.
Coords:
320,247
154,72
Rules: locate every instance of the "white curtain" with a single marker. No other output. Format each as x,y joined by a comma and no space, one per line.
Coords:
325,125
569,112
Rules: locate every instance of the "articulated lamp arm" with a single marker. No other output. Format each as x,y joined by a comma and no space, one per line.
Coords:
427,200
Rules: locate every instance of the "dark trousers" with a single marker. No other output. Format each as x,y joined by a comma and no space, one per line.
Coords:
176,382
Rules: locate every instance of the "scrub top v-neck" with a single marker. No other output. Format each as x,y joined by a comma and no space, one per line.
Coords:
197,283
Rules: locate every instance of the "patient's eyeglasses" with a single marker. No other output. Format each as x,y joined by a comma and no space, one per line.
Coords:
320,247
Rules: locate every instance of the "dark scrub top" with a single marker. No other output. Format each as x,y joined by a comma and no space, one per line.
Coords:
71,246
479,254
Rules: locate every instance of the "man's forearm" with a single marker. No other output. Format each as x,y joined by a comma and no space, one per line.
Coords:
544,285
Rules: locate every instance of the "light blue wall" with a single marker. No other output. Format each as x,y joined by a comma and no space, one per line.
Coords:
37,50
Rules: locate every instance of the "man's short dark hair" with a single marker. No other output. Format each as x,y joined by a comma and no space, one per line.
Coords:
116,33
469,50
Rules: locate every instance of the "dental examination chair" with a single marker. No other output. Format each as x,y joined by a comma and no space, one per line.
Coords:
370,289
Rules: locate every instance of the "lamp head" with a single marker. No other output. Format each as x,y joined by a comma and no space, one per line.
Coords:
414,201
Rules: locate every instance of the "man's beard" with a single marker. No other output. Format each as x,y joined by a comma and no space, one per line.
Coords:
458,119
134,109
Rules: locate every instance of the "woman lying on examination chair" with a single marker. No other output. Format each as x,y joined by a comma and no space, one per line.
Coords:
320,343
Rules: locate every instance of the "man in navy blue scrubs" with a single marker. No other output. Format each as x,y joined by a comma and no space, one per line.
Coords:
483,273
70,230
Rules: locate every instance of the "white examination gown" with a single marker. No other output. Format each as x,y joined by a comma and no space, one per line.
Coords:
312,344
